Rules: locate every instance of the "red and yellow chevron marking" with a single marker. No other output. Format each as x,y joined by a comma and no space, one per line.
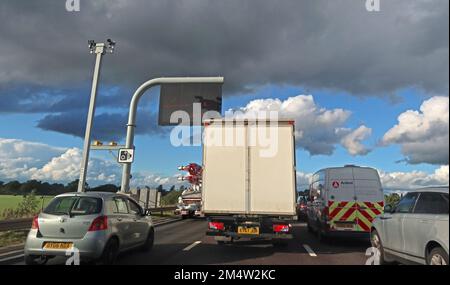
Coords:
360,213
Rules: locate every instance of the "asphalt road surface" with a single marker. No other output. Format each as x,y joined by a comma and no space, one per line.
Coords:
185,242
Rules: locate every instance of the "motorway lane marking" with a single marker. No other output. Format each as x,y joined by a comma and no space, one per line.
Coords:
11,252
12,257
309,250
191,246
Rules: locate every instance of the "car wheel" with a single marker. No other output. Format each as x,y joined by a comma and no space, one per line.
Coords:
148,245
308,225
375,241
437,256
321,234
35,260
110,252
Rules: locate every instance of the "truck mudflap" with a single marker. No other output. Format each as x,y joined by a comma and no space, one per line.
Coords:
249,228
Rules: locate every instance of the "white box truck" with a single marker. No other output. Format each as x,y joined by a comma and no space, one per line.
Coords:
249,179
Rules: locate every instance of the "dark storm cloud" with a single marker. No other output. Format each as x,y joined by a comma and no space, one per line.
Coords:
321,44
45,66
107,126
39,99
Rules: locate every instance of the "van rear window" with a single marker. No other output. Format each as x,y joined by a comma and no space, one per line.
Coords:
74,206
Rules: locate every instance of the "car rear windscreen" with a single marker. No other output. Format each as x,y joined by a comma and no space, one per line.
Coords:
73,205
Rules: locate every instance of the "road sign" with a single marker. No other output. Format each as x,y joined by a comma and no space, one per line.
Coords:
181,97
335,184
126,155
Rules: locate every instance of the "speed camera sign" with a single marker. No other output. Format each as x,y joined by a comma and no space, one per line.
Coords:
126,155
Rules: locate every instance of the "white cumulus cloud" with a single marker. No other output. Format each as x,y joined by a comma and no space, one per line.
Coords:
23,160
423,135
352,141
415,179
317,130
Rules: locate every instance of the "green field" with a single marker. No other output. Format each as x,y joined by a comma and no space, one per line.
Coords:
11,201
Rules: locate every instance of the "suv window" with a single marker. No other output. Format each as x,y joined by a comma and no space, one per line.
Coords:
121,205
432,203
407,203
134,208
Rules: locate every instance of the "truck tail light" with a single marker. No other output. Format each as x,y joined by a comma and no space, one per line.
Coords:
216,226
35,223
281,228
99,224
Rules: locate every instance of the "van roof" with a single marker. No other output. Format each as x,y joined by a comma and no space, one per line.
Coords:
346,166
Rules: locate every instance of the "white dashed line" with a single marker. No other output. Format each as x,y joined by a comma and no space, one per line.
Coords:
11,252
309,250
191,246
12,257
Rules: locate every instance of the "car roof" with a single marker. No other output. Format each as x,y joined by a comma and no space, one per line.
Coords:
103,195
443,189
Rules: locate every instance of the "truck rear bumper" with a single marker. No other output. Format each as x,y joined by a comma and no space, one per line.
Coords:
260,236
354,234
265,227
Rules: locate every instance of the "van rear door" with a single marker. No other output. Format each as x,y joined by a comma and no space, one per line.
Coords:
341,199
369,197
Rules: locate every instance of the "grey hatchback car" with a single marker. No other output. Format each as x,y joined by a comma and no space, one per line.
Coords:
416,230
98,225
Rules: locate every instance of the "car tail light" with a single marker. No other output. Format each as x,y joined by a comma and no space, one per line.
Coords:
216,226
282,228
99,224
35,223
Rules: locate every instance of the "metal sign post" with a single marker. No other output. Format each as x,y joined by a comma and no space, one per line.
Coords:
99,49
131,125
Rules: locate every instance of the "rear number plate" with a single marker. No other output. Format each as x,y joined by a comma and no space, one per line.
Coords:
58,245
248,230
345,226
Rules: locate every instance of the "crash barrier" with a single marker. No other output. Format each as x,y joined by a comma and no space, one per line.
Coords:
25,223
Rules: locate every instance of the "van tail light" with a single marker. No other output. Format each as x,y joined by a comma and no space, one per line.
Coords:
35,223
216,226
281,228
99,224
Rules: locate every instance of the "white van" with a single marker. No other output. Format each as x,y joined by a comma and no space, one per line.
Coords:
344,200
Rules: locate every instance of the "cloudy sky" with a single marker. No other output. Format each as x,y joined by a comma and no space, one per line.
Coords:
366,88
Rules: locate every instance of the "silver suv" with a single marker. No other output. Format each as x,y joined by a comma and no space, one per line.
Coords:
416,230
97,225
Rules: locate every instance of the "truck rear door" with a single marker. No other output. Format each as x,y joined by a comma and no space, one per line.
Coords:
272,169
224,174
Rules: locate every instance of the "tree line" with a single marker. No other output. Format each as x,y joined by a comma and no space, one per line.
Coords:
40,188
47,189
